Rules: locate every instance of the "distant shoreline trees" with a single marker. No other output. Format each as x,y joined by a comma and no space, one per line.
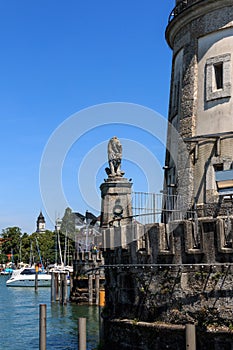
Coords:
20,247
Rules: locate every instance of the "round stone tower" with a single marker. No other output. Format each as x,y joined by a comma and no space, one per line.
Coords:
200,33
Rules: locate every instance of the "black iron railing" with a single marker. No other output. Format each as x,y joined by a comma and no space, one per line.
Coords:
180,7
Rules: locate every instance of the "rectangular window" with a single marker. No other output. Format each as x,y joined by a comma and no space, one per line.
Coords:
218,167
218,77
218,73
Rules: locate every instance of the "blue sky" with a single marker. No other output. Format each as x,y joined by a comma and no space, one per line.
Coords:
58,58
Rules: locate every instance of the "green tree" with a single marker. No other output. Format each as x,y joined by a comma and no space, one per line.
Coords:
25,248
20,245
3,258
43,246
12,245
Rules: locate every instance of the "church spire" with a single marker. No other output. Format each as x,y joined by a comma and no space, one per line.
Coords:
40,223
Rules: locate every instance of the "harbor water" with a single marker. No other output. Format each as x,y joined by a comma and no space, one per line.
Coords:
19,320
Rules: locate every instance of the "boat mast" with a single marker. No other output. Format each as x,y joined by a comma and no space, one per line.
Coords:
30,259
65,248
38,249
20,250
59,247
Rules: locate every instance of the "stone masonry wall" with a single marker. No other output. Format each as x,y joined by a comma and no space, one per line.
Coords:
85,268
174,274
136,335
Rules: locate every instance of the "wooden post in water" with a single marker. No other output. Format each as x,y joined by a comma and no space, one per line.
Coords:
71,281
36,278
42,327
65,289
52,287
101,324
62,288
190,331
82,333
97,288
102,298
56,287
90,289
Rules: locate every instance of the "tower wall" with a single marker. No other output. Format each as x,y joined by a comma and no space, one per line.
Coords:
214,106
201,36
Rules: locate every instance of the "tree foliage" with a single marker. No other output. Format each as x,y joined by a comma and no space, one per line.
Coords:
26,247
11,245
32,248
43,247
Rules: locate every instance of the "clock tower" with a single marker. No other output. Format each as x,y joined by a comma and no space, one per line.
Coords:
40,223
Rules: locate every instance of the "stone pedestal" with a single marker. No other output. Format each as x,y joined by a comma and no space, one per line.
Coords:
116,207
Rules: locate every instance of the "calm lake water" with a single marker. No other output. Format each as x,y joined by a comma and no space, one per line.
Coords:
19,320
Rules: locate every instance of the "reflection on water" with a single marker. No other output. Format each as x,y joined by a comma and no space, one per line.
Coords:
19,320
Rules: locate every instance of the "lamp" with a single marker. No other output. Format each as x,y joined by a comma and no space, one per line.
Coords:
172,185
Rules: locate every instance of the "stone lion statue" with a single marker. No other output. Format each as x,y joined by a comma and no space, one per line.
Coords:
114,157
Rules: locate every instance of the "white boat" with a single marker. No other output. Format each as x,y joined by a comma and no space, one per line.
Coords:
62,269
26,276
7,271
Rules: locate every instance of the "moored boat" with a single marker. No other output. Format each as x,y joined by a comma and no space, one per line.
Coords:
60,269
26,276
7,271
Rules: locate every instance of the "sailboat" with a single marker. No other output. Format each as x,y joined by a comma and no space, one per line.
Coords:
26,276
62,267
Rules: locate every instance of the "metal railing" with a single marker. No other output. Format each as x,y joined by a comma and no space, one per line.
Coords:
149,208
180,7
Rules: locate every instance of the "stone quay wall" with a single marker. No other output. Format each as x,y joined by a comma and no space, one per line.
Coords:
173,274
135,335
88,280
